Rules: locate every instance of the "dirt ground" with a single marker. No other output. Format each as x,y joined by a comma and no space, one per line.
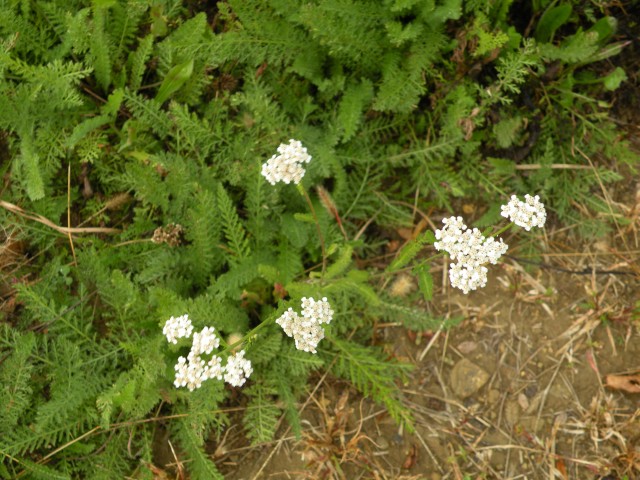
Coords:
519,390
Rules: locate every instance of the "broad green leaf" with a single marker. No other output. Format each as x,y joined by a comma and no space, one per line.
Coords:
176,77
605,28
551,20
425,280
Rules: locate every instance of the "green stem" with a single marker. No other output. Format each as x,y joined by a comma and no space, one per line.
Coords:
503,229
304,193
249,334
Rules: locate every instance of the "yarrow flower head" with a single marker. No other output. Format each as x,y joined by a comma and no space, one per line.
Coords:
176,328
471,250
238,369
287,165
306,329
320,310
527,214
190,373
193,370
205,341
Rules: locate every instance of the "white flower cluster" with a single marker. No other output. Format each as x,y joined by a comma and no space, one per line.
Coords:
306,330
176,328
238,369
193,370
471,250
527,214
205,341
287,166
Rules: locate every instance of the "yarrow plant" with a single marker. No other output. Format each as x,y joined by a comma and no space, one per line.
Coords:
193,370
306,329
472,250
287,166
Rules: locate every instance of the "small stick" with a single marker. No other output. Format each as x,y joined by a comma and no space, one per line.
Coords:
45,221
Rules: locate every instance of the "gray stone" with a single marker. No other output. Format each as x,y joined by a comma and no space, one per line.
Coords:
467,378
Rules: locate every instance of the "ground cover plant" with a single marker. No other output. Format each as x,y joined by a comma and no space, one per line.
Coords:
187,185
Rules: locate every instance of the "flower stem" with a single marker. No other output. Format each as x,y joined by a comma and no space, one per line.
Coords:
249,334
304,193
503,229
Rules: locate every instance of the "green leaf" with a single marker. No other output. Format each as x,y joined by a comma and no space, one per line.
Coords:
614,79
234,231
605,28
99,45
31,165
201,467
261,417
373,375
40,471
341,264
176,77
295,230
410,250
425,280
355,99
507,130
551,20
138,62
81,130
502,166
304,217
355,282
265,348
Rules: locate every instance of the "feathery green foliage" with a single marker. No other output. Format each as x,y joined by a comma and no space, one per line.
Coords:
149,122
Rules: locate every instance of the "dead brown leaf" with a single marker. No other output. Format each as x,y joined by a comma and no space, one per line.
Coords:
626,383
412,458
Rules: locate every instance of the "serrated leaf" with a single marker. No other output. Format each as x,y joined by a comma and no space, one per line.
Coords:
502,166
31,165
304,217
341,263
353,102
295,230
83,129
261,416
201,467
265,348
44,472
410,250
175,78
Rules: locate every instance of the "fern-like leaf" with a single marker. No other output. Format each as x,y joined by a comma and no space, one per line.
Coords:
372,375
410,250
201,466
238,242
261,416
15,378
138,60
